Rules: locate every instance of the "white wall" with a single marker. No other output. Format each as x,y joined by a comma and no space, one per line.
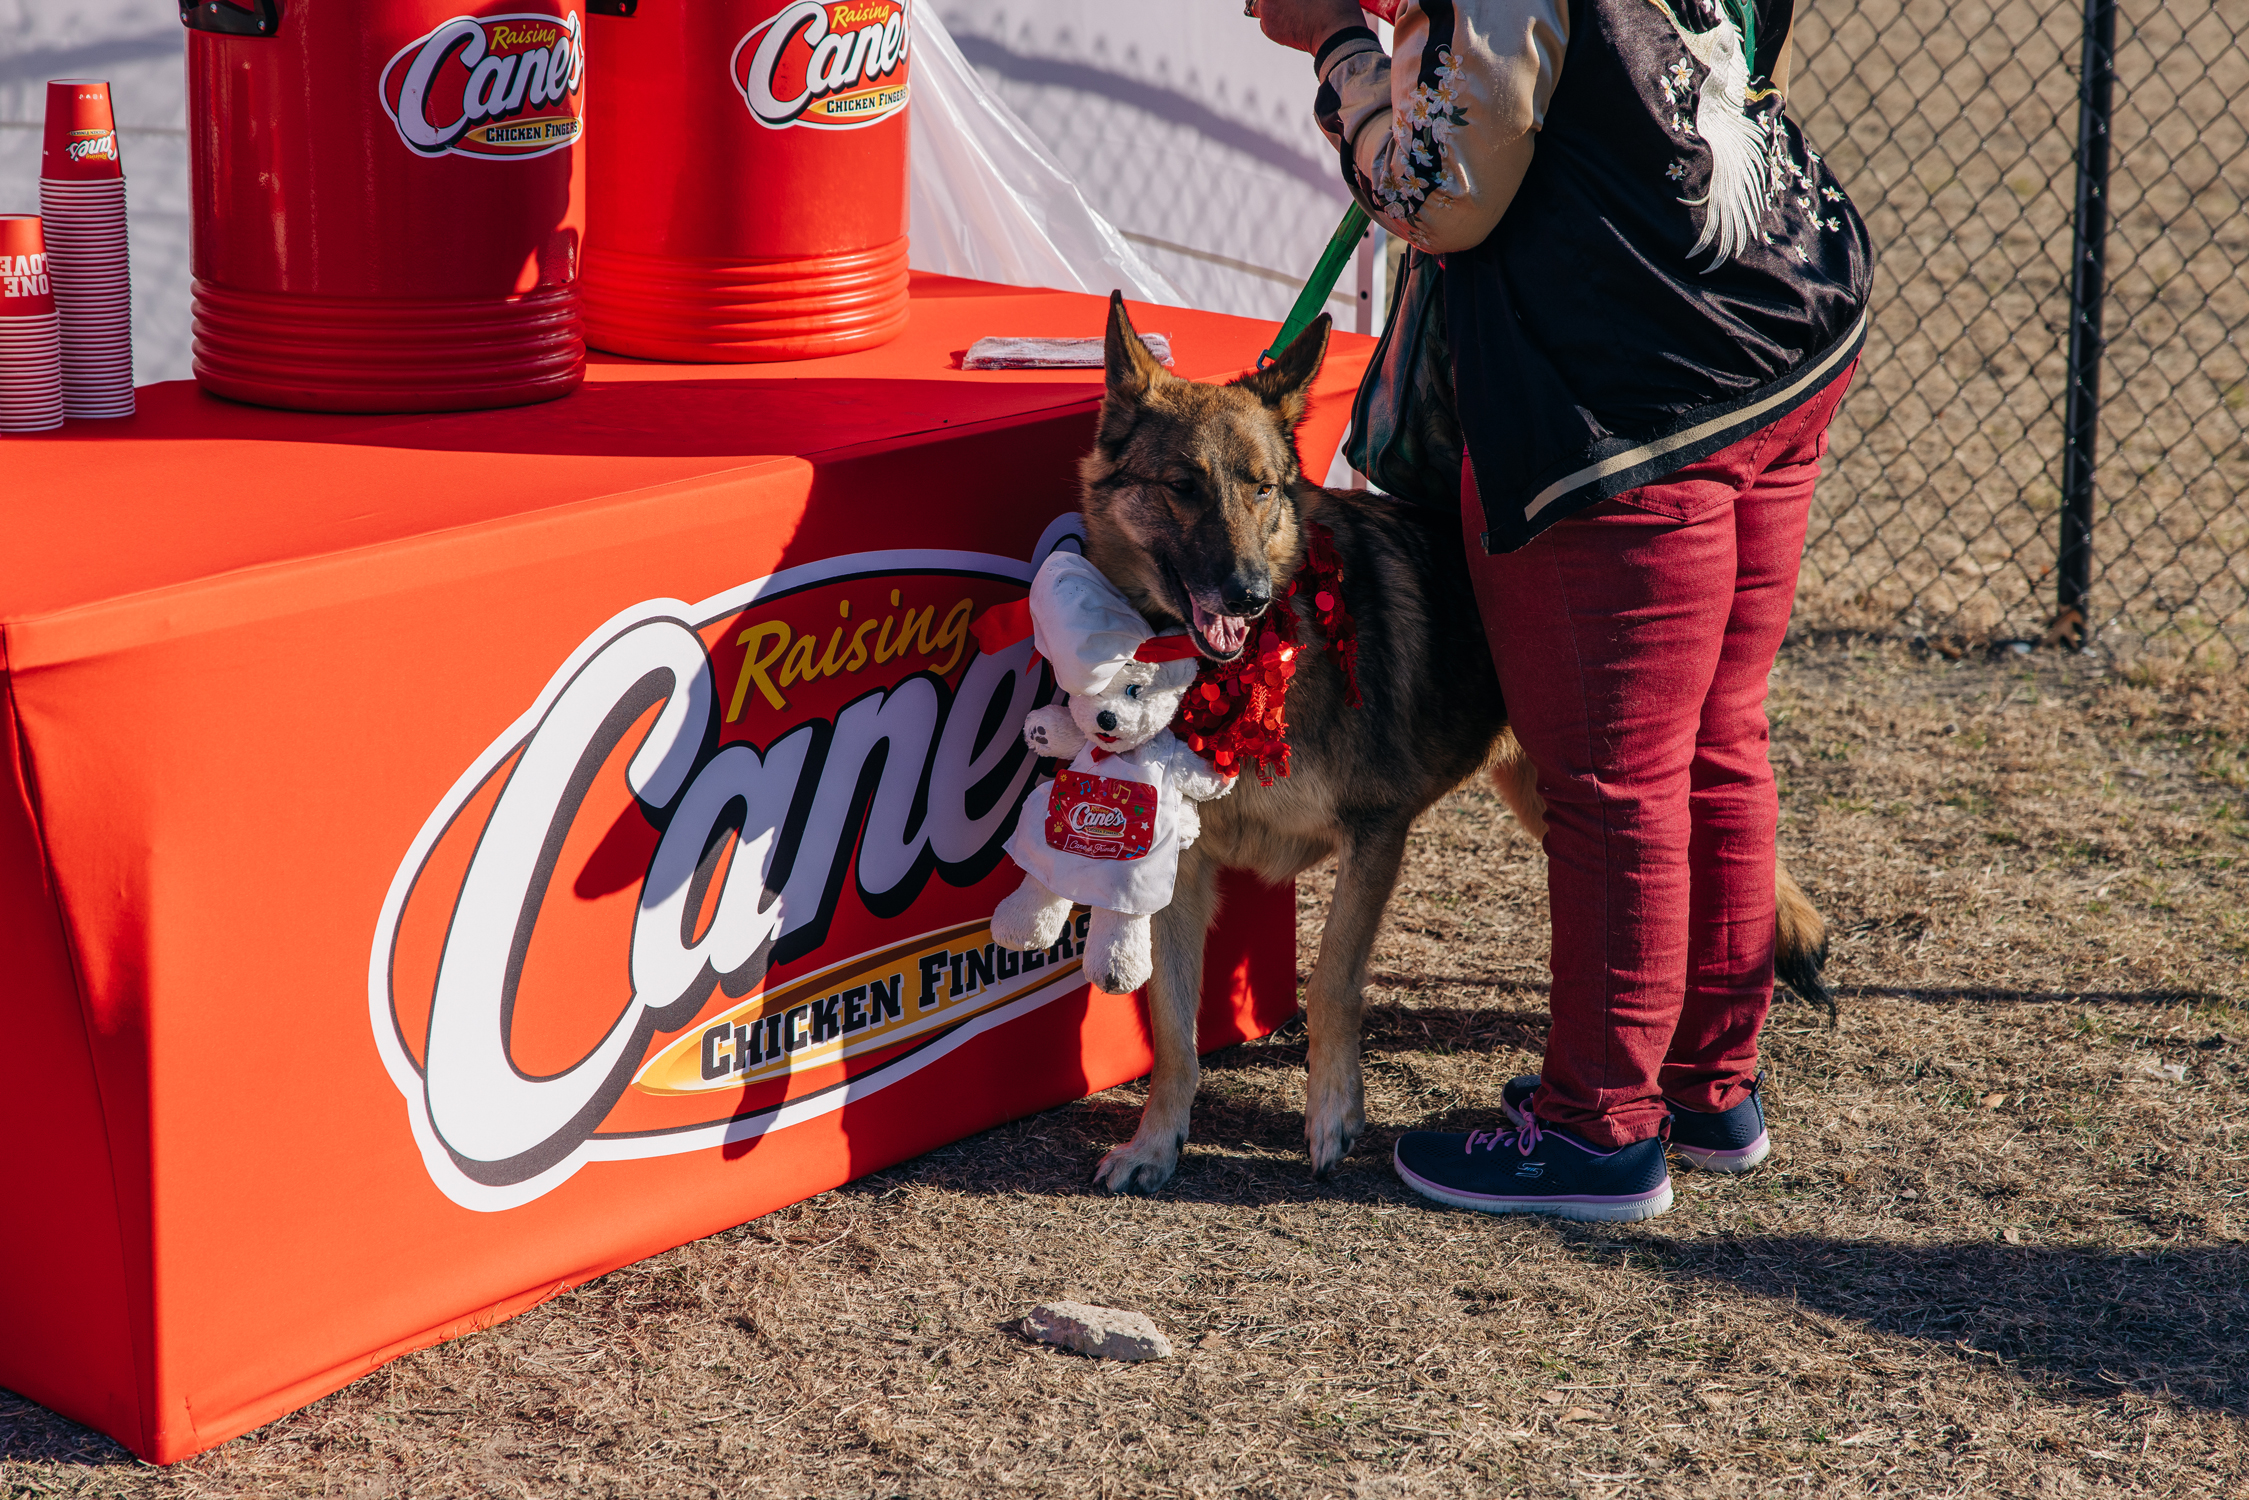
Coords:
140,47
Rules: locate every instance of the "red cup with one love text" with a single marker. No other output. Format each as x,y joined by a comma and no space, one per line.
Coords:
30,340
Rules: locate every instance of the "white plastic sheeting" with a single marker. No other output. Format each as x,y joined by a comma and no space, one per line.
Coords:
1183,127
991,202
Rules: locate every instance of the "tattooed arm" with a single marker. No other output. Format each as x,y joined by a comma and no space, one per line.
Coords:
1436,140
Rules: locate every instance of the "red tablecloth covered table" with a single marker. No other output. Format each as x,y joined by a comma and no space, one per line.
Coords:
445,858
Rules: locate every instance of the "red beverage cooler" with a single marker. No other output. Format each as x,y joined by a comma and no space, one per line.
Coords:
389,197
747,178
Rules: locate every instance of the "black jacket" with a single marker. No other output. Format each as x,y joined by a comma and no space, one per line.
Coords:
1609,330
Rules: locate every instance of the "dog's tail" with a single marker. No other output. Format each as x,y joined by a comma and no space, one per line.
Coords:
1516,781
1800,938
1800,944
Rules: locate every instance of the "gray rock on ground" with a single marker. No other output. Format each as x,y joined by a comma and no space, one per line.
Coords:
1102,1332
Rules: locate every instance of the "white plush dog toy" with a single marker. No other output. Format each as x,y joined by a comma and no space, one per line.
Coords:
1108,831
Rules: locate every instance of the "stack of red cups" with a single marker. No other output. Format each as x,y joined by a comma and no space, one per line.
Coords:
30,335
82,200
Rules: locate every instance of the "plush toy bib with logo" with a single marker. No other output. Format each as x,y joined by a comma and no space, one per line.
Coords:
1100,817
1108,831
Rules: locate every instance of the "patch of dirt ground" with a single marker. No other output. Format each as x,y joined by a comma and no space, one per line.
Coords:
1999,1249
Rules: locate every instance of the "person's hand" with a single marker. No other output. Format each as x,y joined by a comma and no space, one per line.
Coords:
1304,24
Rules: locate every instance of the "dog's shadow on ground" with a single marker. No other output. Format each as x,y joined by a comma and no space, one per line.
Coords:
2091,1321
1984,994
2088,1320
2169,1322
1394,1028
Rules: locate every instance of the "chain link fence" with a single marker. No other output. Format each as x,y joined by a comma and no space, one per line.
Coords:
1955,124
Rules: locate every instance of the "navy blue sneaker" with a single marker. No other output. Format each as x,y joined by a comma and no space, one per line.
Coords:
1535,1169
1731,1141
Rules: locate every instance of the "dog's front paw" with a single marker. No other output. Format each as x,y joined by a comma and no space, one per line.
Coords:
1334,1114
1141,1165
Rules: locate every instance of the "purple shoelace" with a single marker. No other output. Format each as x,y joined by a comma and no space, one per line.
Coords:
1526,1139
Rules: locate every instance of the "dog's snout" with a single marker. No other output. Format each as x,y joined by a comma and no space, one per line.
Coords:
1107,719
1247,592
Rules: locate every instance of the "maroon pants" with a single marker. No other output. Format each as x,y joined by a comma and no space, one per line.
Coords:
1633,643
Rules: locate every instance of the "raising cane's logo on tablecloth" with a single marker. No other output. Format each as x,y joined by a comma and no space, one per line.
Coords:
836,65
496,87
720,877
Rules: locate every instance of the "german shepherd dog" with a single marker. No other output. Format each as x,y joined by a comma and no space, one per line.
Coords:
1196,508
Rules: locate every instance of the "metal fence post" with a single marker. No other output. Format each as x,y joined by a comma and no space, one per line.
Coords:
2088,283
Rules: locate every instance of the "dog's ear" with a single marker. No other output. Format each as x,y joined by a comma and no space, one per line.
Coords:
1285,385
1129,368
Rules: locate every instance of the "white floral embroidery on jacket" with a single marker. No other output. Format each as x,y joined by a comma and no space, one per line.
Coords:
1441,138
1420,131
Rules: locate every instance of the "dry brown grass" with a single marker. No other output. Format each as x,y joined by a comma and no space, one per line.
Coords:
1999,1250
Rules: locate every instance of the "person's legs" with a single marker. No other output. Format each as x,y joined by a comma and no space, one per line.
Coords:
1607,631
1734,811
1632,643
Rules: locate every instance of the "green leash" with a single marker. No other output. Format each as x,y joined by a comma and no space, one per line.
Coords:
1341,246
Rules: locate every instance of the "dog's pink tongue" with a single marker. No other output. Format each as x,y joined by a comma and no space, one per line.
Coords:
1225,633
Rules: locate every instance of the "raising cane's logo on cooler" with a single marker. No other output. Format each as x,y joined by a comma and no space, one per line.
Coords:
727,873
500,88
832,64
